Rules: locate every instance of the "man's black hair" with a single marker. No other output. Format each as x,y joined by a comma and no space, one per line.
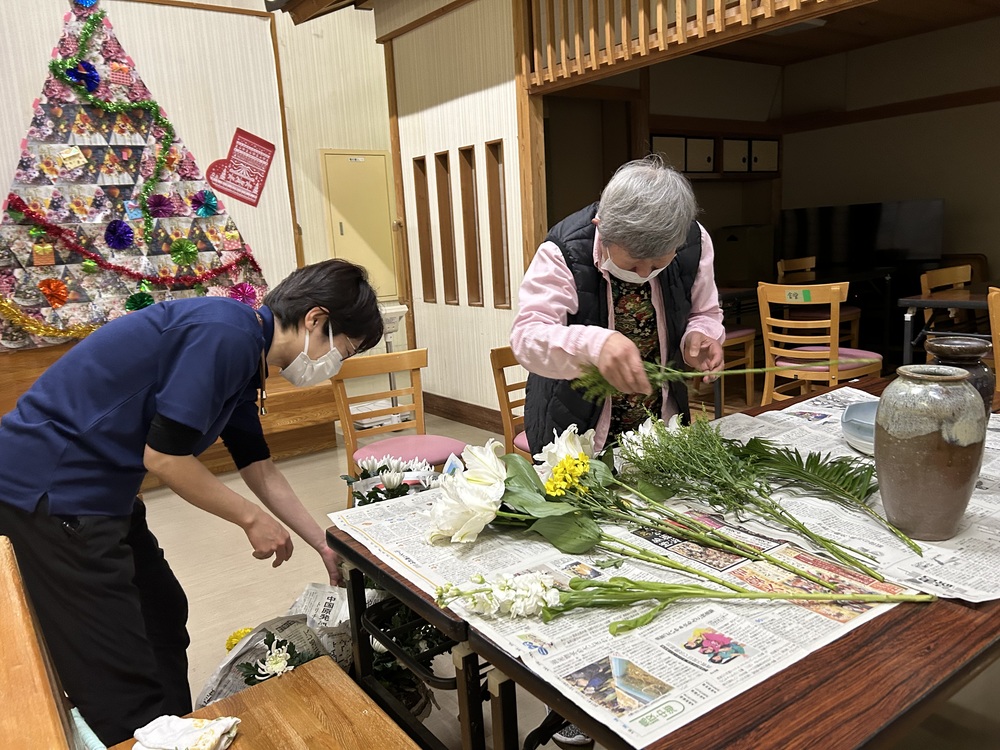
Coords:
337,286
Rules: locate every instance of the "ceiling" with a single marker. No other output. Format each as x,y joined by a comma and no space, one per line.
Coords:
877,22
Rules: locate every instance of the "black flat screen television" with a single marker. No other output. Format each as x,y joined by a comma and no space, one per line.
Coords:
864,235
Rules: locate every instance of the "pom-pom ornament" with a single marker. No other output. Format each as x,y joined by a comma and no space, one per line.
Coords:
138,301
119,235
183,252
205,203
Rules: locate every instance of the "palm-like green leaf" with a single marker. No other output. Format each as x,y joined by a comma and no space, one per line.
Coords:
848,481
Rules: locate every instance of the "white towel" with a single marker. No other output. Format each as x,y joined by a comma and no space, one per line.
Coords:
175,733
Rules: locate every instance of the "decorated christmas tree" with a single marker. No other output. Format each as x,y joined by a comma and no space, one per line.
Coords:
108,211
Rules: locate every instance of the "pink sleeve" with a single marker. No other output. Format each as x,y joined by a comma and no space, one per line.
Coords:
540,338
706,315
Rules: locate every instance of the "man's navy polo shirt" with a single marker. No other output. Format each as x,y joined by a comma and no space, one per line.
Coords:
79,432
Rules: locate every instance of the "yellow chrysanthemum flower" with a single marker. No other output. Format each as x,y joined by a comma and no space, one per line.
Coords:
236,636
566,475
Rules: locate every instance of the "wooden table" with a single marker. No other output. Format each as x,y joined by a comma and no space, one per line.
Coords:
971,298
868,687
314,707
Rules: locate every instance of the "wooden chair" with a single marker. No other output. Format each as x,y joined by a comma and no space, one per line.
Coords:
35,712
950,277
392,405
979,263
799,270
994,302
792,342
510,396
737,350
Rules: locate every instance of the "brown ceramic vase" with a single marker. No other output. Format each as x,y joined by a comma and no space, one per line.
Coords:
965,352
930,431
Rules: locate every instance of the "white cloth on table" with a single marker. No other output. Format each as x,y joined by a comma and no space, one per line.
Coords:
175,733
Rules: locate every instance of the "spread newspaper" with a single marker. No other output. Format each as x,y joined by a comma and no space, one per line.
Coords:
646,683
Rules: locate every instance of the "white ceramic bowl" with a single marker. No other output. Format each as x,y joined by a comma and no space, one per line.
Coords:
858,426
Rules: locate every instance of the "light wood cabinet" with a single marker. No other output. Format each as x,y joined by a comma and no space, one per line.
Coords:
735,155
763,156
700,154
672,148
721,156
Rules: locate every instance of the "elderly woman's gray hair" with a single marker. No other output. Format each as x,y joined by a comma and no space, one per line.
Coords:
646,208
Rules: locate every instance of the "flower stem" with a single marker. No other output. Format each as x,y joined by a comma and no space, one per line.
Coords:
628,549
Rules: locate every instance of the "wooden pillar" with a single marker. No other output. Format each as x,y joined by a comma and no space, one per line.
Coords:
401,248
530,139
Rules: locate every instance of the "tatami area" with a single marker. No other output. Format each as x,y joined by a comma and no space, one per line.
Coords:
228,589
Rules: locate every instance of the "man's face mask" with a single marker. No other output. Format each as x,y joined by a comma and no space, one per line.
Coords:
305,371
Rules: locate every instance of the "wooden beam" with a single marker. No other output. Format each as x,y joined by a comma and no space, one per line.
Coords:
675,49
821,120
286,150
639,117
206,6
667,124
416,23
595,36
597,91
404,280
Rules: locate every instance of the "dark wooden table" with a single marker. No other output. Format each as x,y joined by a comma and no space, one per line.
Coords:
973,297
868,687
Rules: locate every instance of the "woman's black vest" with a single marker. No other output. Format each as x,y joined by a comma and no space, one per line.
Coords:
553,405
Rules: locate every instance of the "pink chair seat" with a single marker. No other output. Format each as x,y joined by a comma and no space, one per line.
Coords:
434,449
521,441
823,313
843,353
736,333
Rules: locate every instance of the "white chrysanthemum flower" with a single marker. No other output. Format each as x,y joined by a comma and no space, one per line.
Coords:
275,662
416,464
396,465
462,511
371,464
391,479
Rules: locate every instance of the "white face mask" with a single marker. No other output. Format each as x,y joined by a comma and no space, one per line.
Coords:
304,371
629,277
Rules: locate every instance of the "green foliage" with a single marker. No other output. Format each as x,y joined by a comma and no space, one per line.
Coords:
596,388
521,473
573,534
696,462
844,480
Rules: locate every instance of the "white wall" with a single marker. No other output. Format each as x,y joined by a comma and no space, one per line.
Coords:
335,98
709,87
952,154
455,88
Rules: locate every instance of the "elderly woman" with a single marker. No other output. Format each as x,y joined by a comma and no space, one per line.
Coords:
624,281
